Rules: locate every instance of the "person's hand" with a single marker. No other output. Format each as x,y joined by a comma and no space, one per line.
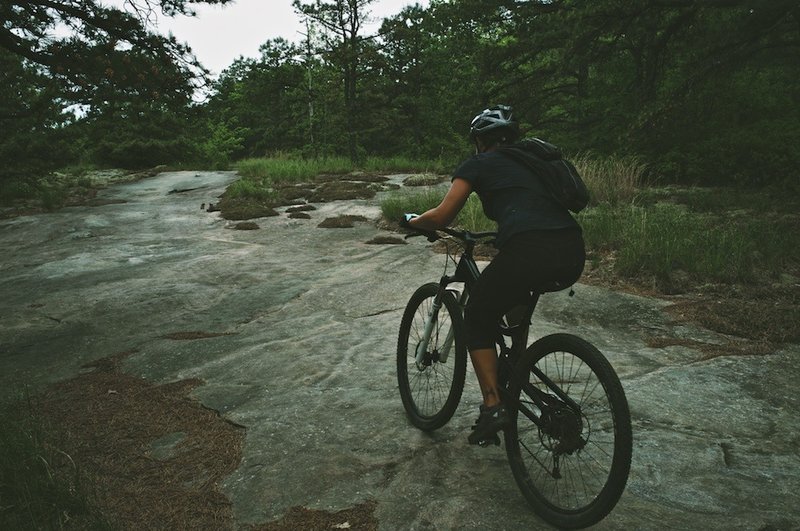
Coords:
406,218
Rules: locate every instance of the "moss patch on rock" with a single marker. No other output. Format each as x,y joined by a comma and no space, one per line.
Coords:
341,222
238,209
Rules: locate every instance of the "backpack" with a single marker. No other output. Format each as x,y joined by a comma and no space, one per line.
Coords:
558,174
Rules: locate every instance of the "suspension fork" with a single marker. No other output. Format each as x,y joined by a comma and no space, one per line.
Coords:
430,324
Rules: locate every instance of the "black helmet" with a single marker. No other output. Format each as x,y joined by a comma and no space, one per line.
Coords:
492,119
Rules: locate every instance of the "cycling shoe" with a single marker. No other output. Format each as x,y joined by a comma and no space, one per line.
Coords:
490,421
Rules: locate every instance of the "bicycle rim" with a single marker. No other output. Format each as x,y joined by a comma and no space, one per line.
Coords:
573,467
432,389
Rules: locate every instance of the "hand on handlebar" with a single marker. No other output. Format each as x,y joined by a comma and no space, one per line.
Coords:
404,220
416,231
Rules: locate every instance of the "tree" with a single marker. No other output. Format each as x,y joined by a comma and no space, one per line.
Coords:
342,20
86,47
83,52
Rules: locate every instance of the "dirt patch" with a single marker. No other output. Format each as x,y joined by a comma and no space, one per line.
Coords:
345,221
361,518
301,208
324,189
483,251
343,190
713,350
291,192
765,314
153,455
246,225
387,240
360,177
424,179
188,336
239,209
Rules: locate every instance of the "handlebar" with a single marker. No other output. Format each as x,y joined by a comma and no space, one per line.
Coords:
463,235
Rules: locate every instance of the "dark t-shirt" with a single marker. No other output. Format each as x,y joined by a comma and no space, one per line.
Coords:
512,196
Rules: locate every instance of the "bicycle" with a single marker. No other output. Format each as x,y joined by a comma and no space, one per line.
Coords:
569,442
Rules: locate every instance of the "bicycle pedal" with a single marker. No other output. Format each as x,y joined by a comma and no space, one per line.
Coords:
494,441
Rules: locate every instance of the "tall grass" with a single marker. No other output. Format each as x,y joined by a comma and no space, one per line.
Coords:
292,169
398,203
655,240
660,239
470,218
402,164
612,180
40,486
286,169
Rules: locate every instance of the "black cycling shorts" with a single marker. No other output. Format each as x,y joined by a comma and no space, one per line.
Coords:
527,260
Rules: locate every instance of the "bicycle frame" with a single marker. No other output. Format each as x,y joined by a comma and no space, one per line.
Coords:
549,440
467,272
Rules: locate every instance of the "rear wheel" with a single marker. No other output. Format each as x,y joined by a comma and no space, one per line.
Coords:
431,389
573,462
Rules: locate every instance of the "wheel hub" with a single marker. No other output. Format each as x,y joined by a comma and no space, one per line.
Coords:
428,359
563,428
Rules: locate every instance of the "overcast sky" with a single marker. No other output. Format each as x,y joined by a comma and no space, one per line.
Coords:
218,35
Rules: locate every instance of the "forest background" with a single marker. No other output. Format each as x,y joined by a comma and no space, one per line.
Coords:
703,92
683,92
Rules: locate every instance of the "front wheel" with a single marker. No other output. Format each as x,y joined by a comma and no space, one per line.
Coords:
569,443
431,388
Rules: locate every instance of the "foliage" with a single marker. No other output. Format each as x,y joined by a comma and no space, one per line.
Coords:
697,92
106,52
220,145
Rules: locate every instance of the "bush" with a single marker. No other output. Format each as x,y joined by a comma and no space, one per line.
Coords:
138,153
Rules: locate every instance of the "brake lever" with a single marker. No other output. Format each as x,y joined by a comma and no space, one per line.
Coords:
431,236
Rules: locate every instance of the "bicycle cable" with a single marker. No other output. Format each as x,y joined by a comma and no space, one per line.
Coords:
450,256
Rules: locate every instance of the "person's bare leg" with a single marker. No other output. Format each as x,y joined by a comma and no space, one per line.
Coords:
484,361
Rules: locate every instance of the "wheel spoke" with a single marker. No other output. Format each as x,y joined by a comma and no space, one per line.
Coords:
430,388
564,457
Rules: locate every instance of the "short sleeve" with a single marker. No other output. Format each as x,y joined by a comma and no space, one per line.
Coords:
469,170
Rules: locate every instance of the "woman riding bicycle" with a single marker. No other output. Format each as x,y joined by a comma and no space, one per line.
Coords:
538,241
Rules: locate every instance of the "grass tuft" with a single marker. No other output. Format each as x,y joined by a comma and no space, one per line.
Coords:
40,486
614,180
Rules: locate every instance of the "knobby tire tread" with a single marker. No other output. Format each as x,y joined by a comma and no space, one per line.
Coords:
620,468
458,357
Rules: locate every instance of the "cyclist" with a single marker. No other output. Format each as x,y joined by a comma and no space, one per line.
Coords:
538,242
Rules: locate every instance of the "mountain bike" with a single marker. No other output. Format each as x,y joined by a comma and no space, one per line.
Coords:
569,440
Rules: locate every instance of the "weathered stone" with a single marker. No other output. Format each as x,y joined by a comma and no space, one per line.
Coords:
308,366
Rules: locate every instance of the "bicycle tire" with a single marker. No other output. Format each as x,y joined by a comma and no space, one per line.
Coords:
549,462
430,393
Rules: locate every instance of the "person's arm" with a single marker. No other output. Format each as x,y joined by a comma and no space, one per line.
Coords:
444,214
